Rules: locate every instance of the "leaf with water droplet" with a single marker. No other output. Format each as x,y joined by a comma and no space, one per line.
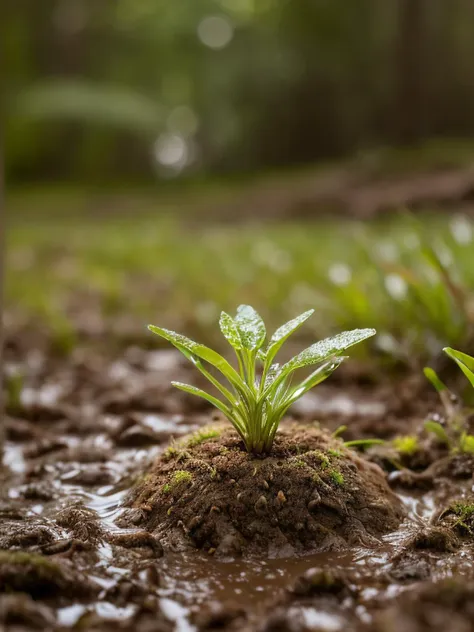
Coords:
273,372
283,333
324,349
251,327
230,331
190,348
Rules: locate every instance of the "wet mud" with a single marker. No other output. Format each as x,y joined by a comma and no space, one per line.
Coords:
90,436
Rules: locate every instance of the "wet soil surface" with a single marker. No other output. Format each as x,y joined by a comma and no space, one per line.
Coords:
85,432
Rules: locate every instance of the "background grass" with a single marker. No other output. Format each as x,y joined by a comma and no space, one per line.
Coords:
81,275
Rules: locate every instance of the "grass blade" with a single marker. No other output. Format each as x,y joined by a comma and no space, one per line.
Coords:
464,362
432,376
438,430
188,346
193,390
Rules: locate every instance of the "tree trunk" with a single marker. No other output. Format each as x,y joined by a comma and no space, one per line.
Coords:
410,46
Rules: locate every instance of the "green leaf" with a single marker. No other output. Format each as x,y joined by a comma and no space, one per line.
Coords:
283,333
316,377
188,347
230,331
466,443
438,430
193,390
251,328
363,443
324,349
339,431
465,362
432,376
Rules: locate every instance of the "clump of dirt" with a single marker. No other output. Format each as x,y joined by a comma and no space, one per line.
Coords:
459,516
437,606
38,576
309,494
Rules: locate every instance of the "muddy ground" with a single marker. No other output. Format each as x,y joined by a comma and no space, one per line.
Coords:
86,429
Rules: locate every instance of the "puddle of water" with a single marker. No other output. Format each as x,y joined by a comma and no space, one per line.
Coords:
338,404
170,425
420,506
197,578
47,396
13,458
319,620
178,614
70,615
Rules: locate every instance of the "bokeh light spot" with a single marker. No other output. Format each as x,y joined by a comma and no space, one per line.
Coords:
171,150
215,31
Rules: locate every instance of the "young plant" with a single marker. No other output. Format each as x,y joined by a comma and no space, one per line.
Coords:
255,402
453,428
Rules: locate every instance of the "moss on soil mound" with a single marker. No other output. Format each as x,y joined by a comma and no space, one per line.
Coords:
309,494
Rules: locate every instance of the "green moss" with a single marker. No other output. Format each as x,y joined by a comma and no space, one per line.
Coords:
170,452
406,444
465,514
202,435
463,510
324,460
183,456
28,559
299,463
336,477
336,453
182,476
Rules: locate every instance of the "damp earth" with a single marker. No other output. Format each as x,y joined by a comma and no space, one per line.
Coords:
127,506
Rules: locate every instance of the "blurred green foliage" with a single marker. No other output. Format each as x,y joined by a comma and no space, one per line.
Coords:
89,277
106,90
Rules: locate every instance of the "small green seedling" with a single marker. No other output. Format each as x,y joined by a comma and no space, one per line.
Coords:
14,388
255,404
406,445
363,444
452,429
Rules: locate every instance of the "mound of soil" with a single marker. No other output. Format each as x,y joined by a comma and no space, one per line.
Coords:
309,494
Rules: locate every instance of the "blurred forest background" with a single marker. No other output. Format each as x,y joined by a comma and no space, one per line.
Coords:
131,90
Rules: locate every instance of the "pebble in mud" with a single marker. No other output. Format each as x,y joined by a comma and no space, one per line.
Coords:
137,540
316,581
82,522
353,503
